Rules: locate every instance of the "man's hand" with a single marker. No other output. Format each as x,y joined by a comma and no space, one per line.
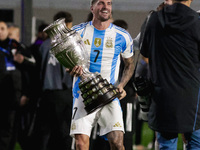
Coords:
19,58
76,71
24,100
122,92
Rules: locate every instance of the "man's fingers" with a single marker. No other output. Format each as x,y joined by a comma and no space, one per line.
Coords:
122,94
67,69
76,71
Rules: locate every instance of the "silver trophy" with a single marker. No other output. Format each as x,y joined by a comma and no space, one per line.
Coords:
68,48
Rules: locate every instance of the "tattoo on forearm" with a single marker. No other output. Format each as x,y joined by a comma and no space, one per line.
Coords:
128,70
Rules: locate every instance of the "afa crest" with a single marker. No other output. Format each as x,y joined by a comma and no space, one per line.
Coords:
97,42
109,43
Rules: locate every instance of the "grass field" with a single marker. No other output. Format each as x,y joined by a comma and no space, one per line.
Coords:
17,147
147,137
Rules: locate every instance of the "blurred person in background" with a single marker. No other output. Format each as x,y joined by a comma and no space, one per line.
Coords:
23,118
142,69
11,86
53,118
170,114
14,32
27,112
35,88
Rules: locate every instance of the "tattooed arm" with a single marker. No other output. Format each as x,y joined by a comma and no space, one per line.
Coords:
127,74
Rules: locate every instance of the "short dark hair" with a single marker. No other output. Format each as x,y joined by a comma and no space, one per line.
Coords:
12,25
4,22
63,14
42,26
92,2
121,23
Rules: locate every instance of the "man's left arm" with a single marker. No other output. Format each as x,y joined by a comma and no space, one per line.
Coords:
126,75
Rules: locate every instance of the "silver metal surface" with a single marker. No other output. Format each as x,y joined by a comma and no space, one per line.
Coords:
67,46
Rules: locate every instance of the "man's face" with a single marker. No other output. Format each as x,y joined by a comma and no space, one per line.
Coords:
69,25
3,31
13,33
102,10
168,2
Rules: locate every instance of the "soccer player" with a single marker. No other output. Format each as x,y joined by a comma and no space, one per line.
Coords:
104,43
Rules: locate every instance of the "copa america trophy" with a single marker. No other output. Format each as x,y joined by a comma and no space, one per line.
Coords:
68,48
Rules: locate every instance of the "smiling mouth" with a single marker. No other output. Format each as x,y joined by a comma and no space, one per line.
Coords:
105,11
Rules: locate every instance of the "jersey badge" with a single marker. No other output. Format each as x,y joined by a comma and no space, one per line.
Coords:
97,42
109,43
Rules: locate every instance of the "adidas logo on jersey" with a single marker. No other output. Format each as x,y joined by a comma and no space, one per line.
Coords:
117,125
73,126
87,42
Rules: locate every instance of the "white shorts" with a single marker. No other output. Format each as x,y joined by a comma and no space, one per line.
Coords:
108,117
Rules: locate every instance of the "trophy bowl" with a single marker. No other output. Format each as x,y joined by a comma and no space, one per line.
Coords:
67,46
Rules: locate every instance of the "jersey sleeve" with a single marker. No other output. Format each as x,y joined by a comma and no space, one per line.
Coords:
127,47
80,29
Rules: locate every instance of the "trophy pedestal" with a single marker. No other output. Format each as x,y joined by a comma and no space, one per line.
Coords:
101,101
97,92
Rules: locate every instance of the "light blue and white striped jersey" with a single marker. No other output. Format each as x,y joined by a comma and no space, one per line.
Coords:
104,48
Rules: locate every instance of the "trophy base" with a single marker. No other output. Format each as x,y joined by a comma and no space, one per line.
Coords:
101,101
97,92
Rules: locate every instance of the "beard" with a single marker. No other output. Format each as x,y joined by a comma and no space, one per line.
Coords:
103,19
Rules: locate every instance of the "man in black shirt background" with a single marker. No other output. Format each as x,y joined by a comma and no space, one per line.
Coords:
11,85
171,42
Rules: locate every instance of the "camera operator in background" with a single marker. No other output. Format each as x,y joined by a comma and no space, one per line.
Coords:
142,75
175,78
11,85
